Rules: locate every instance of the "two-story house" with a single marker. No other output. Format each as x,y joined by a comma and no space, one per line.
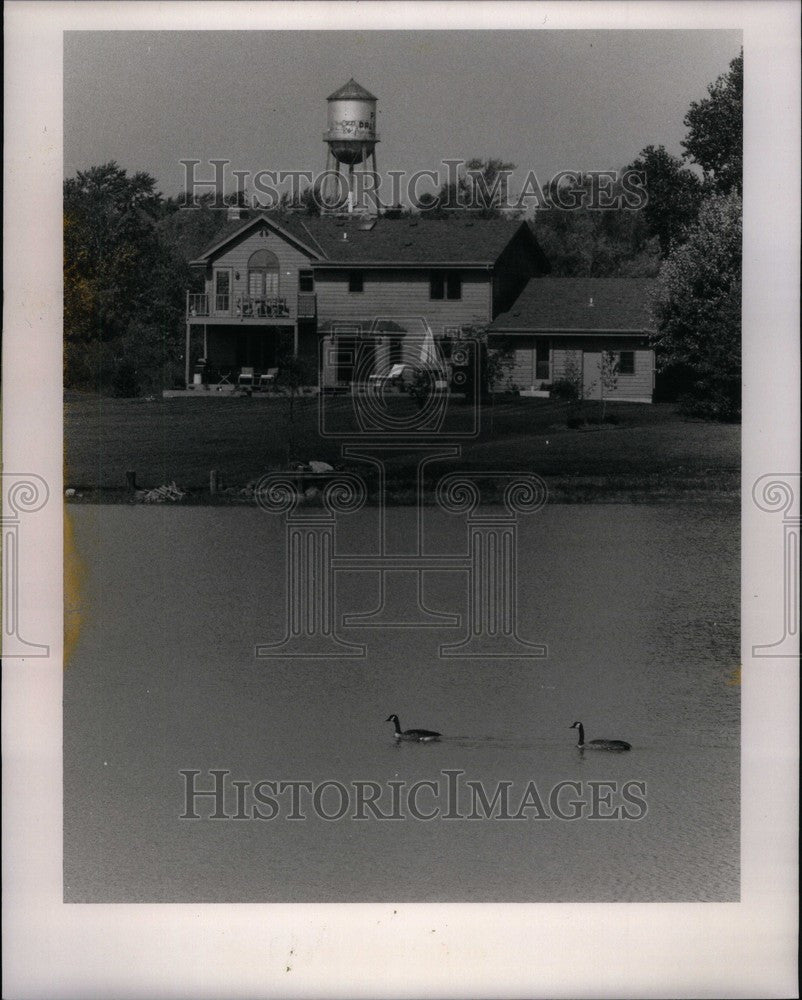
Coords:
302,284
275,284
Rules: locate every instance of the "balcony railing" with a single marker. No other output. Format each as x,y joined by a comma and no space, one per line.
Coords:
261,306
201,304
197,304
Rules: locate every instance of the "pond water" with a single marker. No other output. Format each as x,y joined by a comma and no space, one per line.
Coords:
638,607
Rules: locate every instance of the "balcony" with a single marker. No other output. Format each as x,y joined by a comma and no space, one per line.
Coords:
201,305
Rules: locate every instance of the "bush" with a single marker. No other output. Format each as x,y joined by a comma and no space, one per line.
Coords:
565,389
575,422
420,386
721,402
124,381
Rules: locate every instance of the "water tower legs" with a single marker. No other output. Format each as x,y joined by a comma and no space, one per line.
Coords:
336,182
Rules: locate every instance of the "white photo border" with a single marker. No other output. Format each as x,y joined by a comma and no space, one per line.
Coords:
538,950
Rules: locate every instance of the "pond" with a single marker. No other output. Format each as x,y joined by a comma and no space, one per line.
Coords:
637,606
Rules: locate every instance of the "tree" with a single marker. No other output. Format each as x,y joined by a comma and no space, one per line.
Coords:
608,378
697,309
117,272
307,202
591,242
480,188
675,194
715,130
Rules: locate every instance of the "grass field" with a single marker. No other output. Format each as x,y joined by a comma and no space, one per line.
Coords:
652,453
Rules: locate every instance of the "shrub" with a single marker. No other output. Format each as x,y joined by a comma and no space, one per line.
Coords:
420,386
722,402
124,381
565,389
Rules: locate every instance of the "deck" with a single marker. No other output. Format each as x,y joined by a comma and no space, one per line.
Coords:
202,307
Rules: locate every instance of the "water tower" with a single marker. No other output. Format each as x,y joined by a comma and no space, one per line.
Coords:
351,139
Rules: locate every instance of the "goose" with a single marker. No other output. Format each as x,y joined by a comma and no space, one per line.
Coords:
414,735
598,744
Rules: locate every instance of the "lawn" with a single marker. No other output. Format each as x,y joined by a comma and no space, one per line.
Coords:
652,453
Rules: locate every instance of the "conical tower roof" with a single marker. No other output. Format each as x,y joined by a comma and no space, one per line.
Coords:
351,91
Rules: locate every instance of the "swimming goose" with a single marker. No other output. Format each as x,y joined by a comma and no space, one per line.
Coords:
598,744
414,735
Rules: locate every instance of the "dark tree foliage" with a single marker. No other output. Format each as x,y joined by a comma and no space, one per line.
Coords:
595,243
480,190
715,130
698,310
118,278
674,195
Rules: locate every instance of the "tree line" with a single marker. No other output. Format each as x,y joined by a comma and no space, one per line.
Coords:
127,250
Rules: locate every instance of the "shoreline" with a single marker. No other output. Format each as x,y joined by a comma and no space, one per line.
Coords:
581,493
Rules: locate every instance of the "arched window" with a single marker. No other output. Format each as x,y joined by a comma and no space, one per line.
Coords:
263,274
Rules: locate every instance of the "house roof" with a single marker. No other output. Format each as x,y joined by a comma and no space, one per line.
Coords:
351,91
412,240
336,241
286,225
580,305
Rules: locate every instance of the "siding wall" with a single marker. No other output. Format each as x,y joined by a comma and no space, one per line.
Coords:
402,293
235,256
587,353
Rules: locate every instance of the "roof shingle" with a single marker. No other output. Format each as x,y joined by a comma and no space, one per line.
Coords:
602,304
412,240
415,240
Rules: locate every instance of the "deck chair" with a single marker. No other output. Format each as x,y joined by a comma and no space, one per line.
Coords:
245,376
268,378
380,379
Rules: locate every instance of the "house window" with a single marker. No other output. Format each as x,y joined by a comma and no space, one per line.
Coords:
445,285
306,281
356,281
626,363
542,351
263,275
222,291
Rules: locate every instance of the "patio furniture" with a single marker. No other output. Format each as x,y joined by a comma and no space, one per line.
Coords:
245,377
380,379
268,378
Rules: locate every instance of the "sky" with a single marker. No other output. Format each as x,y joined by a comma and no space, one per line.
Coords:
544,100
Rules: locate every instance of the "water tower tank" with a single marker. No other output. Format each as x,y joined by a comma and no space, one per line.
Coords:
351,131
